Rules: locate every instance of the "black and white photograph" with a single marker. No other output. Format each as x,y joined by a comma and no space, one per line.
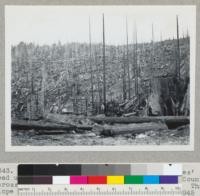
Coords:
100,77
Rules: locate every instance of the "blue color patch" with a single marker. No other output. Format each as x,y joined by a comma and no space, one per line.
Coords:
151,180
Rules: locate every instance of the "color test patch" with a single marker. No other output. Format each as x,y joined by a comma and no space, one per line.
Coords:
97,179
78,180
61,180
115,179
168,179
133,179
151,180
42,179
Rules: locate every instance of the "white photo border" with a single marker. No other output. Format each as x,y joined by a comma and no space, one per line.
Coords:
8,143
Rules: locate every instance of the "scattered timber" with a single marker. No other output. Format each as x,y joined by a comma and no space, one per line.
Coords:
171,121
130,105
111,130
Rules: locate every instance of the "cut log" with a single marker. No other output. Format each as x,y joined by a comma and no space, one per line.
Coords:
48,127
50,132
123,120
171,121
27,125
110,130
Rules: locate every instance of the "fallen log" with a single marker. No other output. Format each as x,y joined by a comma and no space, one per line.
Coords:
122,120
111,130
42,125
27,125
84,127
50,132
171,121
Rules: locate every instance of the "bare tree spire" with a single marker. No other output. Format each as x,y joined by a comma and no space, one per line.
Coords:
127,60
124,76
178,49
135,61
43,87
91,70
152,58
104,68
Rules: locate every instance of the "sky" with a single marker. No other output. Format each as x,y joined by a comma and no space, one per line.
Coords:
50,24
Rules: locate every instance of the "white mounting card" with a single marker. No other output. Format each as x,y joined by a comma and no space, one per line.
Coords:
189,185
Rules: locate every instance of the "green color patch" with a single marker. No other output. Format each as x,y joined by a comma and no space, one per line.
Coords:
133,179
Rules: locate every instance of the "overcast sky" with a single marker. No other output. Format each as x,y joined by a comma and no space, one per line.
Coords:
50,24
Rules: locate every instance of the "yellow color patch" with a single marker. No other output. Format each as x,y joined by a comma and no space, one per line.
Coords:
115,179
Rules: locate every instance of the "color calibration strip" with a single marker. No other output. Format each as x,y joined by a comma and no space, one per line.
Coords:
99,174
99,169
109,180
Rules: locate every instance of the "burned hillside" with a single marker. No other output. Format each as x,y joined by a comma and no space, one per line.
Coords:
57,78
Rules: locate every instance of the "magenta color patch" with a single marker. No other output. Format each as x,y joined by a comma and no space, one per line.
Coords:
78,179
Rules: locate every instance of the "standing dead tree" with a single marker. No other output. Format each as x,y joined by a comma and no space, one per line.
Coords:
124,77
43,89
91,69
152,60
98,70
127,62
136,68
178,51
104,68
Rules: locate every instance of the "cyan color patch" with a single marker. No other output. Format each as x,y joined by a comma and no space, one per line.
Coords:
151,179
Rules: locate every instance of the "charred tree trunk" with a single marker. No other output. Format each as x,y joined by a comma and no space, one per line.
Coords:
127,62
152,61
91,70
177,85
43,91
178,51
124,78
104,68
136,66
98,81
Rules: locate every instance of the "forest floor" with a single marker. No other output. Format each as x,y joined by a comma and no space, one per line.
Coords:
178,136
